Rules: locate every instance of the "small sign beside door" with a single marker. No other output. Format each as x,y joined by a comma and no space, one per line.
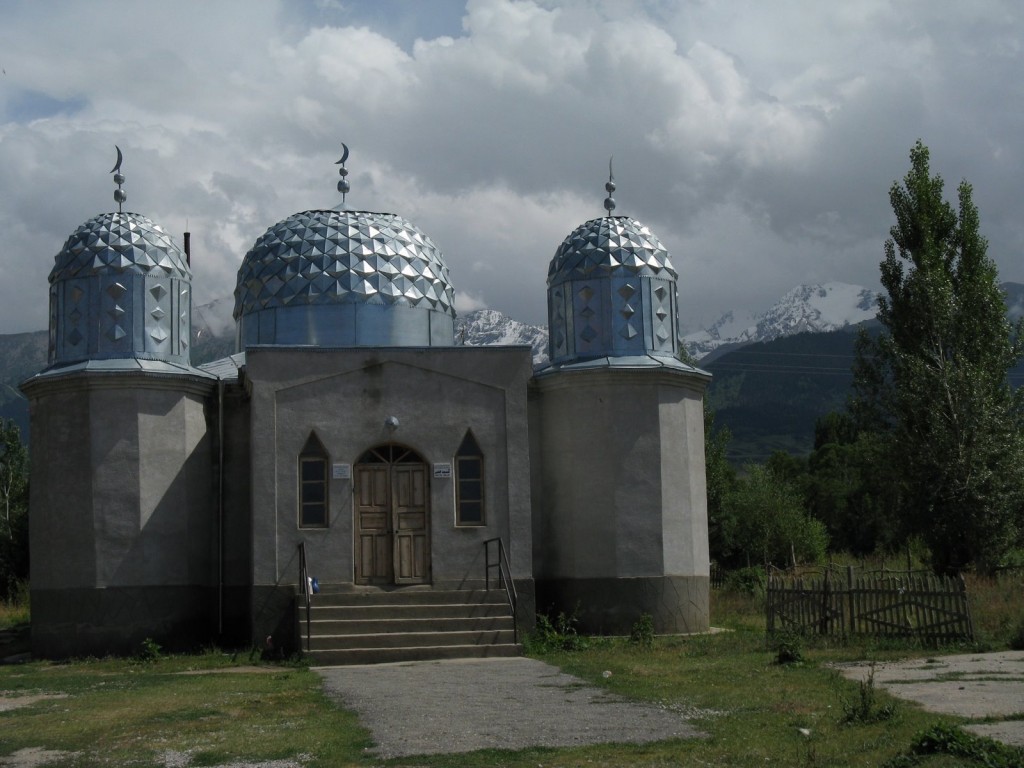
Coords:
341,471
443,469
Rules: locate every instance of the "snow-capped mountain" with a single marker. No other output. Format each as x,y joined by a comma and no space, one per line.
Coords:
825,307
486,327
818,308
214,319
481,327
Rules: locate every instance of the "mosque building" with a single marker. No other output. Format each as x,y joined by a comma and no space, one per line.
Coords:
351,440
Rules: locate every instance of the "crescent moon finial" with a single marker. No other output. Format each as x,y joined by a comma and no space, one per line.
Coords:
119,194
120,157
609,202
343,185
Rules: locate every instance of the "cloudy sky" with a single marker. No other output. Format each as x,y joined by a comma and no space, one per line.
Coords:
757,140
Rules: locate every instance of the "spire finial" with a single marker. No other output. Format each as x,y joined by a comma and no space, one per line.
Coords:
343,185
119,194
609,202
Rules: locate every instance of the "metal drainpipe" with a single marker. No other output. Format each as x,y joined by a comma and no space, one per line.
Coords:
220,508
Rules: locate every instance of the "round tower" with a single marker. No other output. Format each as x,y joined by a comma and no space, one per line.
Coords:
121,524
620,512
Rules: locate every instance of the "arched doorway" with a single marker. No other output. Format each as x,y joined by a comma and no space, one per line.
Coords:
392,517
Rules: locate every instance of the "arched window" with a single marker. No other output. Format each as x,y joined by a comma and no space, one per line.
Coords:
469,482
313,484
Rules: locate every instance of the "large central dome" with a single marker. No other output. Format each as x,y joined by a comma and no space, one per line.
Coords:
344,278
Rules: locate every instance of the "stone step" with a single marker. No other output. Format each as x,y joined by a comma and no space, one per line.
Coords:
352,656
324,627
367,626
409,596
411,640
320,612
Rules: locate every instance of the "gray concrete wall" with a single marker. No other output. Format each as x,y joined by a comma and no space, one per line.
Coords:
234,600
622,521
345,396
120,523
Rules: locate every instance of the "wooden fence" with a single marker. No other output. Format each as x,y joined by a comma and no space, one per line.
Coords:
924,606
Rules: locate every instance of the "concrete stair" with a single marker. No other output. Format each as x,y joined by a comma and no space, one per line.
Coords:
373,626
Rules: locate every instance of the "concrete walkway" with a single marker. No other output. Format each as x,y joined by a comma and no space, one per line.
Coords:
441,707
976,686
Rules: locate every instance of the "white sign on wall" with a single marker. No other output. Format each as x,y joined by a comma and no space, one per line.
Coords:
443,469
341,471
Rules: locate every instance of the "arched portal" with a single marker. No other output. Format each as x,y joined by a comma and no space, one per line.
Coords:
392,511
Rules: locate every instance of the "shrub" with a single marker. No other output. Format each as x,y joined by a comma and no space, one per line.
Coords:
1017,637
751,581
642,633
149,650
864,707
789,648
558,634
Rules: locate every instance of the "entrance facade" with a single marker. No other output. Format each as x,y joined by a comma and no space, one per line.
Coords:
392,517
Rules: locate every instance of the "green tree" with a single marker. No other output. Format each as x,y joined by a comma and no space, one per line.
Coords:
849,487
13,510
764,522
721,478
933,385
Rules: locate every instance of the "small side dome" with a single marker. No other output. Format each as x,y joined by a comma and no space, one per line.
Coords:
611,293
120,288
342,279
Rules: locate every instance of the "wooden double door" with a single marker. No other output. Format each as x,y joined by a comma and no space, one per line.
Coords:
392,517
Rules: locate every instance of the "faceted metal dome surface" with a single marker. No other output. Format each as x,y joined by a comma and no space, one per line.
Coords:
328,257
317,260
610,244
120,290
118,243
611,295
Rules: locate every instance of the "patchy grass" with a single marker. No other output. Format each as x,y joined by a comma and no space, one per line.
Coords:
14,614
996,609
120,713
753,710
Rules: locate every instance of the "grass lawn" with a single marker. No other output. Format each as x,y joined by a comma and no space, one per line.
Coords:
755,711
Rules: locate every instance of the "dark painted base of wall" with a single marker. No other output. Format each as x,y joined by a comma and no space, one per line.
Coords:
677,604
275,628
114,621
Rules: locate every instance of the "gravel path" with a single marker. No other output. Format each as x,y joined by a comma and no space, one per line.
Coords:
440,707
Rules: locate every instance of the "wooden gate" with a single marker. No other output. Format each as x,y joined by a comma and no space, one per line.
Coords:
927,607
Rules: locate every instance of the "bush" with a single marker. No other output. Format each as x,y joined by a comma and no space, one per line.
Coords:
149,650
1017,637
642,633
864,708
789,648
558,634
751,581
950,740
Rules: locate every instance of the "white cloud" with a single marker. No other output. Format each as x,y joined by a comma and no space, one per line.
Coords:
757,140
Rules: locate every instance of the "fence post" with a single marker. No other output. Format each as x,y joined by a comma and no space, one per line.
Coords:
852,626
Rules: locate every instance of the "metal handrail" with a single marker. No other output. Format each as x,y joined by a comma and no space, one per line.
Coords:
304,580
505,576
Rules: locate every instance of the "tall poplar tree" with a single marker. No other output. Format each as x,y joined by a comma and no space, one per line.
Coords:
934,383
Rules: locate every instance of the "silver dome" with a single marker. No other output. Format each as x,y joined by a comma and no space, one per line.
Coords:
344,278
611,293
120,288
